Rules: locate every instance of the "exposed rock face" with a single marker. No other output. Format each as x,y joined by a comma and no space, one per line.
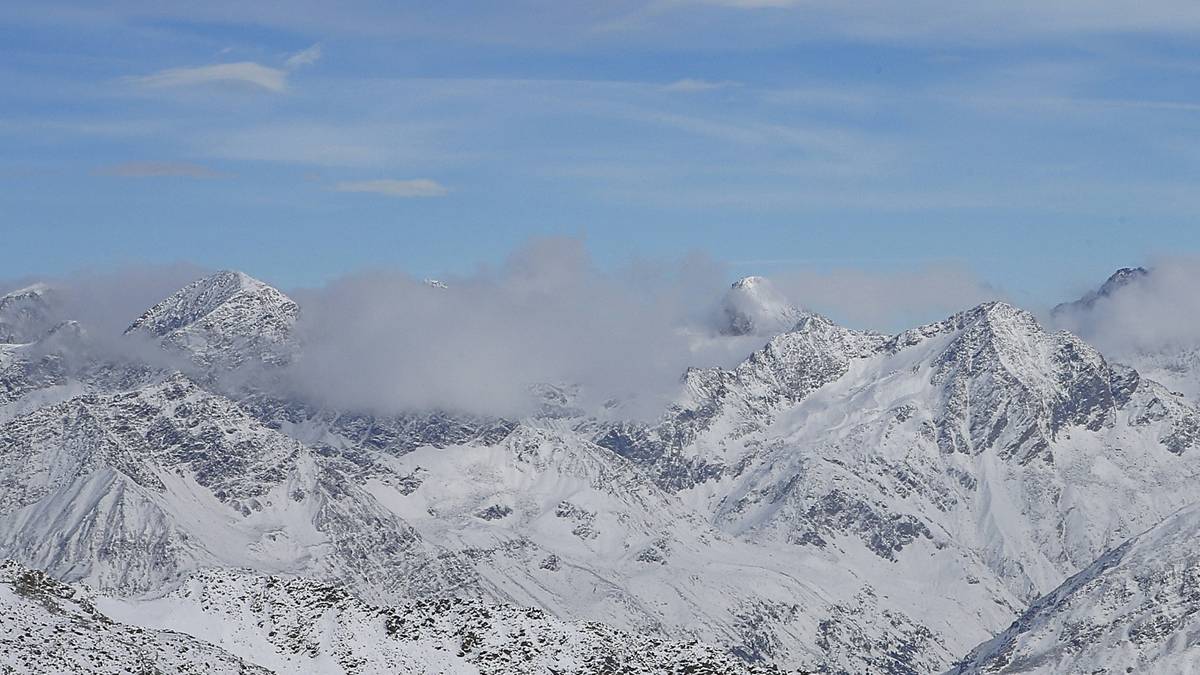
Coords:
129,491
397,434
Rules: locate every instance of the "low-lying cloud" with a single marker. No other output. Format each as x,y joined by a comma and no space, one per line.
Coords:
550,314
546,315
104,303
1156,313
388,342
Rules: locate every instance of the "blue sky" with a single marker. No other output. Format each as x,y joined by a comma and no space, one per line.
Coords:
1039,145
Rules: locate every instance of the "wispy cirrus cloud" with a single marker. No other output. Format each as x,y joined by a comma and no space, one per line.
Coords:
416,187
158,170
304,57
689,85
329,143
243,72
752,4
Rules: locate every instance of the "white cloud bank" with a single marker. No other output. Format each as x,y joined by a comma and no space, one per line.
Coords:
386,341
548,314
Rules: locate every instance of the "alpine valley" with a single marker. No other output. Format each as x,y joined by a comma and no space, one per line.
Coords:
975,495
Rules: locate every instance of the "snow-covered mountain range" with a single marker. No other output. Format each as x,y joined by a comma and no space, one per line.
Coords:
956,495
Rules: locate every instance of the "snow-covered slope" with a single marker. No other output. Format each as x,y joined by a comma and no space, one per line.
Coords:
224,320
294,625
978,460
49,627
551,520
981,436
1136,609
133,490
700,435
229,621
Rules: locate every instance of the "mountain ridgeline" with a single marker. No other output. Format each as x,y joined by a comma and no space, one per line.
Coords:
979,494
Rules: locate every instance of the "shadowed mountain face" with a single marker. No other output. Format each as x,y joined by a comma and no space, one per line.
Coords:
840,501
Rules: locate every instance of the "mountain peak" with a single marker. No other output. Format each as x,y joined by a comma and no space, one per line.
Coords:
1121,277
998,311
754,306
204,296
26,314
750,282
34,289
216,318
1118,280
986,317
